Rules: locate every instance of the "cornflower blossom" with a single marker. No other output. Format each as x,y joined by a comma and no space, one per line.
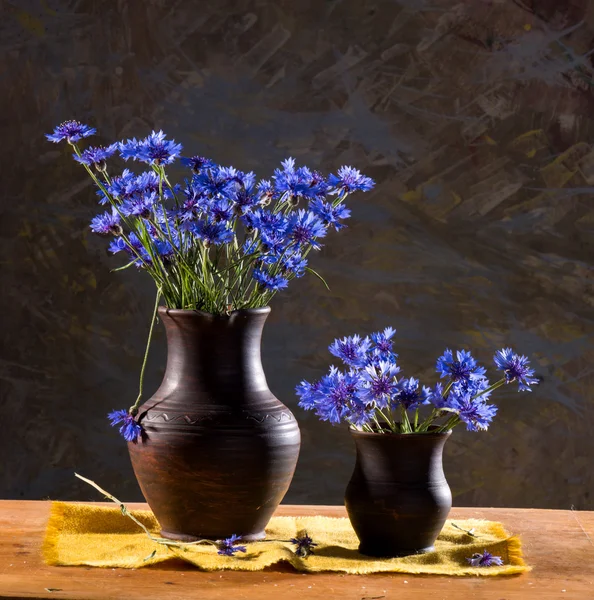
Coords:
96,156
371,397
330,215
130,429
379,383
304,545
463,367
71,131
229,546
305,228
350,180
409,394
268,281
197,163
515,368
107,223
154,150
213,233
353,351
486,559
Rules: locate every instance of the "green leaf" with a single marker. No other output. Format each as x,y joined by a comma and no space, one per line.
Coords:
53,589
124,267
310,270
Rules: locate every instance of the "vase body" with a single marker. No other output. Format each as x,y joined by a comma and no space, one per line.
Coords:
219,450
398,498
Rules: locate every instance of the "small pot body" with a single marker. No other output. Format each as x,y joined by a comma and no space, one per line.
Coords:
219,449
398,498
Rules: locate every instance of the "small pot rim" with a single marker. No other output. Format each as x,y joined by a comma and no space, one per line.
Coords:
262,310
392,435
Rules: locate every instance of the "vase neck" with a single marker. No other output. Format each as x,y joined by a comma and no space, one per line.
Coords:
409,458
214,354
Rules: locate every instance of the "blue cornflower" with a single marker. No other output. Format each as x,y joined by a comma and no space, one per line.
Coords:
215,181
486,559
145,183
294,264
197,163
119,187
245,181
296,183
107,223
271,229
308,394
317,187
305,227
117,245
515,368
131,148
266,220
382,341
475,413
266,192
329,214
71,131
228,546
359,413
465,367
351,350
135,249
270,282
130,429
164,248
473,387
436,397
96,156
139,206
336,394
154,149
221,210
379,383
212,233
304,543
409,394
349,180
196,202
244,201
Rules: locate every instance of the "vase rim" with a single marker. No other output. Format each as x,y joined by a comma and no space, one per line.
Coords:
262,310
392,435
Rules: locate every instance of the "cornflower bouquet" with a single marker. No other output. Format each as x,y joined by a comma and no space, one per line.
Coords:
371,397
221,241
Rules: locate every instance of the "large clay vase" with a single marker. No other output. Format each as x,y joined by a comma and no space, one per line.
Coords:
219,450
398,498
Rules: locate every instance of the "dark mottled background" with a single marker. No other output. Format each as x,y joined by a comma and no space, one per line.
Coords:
475,118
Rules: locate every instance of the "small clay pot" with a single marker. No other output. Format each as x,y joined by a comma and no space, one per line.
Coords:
398,498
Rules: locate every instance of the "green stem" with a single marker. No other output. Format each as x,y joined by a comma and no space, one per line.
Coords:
405,426
133,410
491,388
127,513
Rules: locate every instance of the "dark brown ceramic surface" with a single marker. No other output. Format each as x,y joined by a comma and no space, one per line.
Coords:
398,498
220,450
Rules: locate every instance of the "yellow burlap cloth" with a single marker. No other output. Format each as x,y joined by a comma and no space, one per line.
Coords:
79,534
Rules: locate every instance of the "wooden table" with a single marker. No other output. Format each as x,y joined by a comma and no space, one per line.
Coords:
559,545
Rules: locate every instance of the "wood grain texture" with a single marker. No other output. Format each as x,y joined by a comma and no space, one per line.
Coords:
558,544
475,117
